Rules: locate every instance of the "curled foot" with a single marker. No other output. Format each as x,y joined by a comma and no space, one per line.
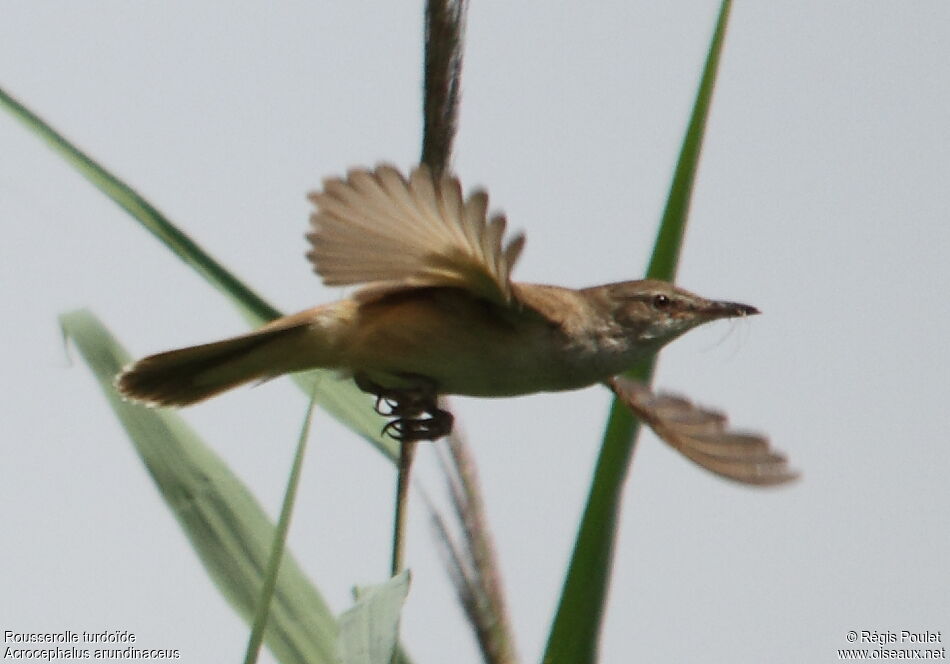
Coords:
429,425
414,411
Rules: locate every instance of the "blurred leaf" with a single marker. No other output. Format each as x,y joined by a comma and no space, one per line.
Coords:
576,629
227,527
251,304
340,398
370,629
470,560
442,80
278,545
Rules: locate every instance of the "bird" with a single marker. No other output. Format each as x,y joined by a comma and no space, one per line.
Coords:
435,311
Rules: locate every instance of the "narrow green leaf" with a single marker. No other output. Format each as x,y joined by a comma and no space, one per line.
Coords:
369,630
576,629
344,401
250,303
227,527
279,543
340,398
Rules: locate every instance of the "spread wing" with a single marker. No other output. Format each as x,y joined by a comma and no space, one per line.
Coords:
703,436
379,229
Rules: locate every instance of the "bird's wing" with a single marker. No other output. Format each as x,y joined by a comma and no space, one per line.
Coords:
703,436
379,229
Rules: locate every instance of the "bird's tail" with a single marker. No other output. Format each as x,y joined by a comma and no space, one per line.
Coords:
189,375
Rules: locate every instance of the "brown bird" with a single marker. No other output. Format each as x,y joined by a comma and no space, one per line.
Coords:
437,312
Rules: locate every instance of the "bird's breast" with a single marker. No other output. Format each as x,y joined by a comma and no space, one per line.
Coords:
467,346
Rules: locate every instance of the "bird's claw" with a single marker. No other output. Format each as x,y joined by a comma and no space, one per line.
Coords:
409,429
392,404
415,411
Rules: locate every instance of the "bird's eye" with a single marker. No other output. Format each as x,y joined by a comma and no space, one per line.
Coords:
661,301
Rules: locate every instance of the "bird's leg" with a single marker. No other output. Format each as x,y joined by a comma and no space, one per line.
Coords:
415,410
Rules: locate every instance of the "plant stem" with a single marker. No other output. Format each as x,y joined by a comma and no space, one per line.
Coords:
407,451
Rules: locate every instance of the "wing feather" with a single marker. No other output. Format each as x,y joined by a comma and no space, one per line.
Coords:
703,436
388,233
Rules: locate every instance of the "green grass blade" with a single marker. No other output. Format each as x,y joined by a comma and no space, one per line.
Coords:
344,401
338,397
370,629
279,543
227,527
250,303
576,629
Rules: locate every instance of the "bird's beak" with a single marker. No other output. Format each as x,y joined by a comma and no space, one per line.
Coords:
715,310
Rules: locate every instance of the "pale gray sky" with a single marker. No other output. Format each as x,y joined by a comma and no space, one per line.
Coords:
822,199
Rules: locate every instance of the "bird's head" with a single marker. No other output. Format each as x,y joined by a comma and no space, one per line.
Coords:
652,313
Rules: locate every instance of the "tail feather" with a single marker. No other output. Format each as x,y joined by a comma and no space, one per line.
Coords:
189,375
